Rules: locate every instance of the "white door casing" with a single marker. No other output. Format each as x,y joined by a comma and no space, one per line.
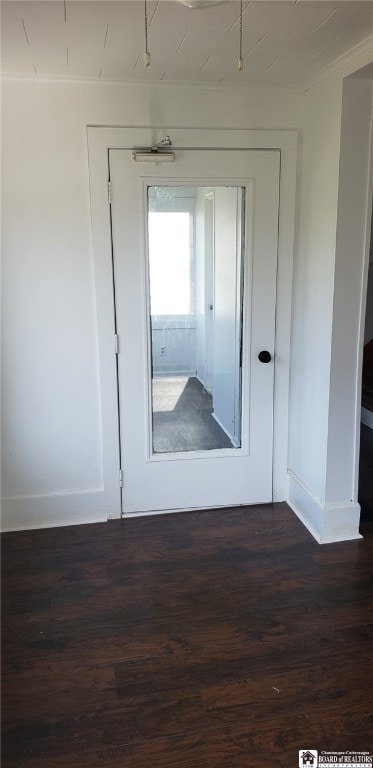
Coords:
100,140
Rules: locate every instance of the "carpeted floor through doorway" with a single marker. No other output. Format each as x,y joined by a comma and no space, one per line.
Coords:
182,417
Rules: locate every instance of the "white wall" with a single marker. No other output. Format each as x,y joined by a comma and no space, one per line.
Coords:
352,249
176,335
368,333
52,446
313,283
227,305
329,282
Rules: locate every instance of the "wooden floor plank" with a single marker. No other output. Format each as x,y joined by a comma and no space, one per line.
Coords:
219,639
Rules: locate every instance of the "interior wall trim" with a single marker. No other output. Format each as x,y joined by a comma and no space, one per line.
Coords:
54,510
100,139
326,522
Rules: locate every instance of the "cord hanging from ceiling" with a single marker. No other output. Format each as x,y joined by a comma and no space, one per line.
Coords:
240,58
147,58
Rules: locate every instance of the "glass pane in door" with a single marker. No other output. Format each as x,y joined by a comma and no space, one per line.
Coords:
195,245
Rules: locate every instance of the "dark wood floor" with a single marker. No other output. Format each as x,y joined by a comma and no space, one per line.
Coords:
366,473
225,639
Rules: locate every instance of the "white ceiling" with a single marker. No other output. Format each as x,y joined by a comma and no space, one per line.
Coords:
285,43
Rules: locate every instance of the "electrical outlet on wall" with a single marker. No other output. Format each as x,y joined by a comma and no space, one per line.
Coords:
163,351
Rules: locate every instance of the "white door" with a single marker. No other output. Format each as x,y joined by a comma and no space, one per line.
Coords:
176,451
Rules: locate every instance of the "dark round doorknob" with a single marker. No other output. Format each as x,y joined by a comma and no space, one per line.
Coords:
264,356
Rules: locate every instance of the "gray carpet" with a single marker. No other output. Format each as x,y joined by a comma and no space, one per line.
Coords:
182,419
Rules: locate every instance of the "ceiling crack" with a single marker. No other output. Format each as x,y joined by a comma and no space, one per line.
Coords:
184,38
322,23
254,46
245,7
153,14
106,34
203,65
271,65
24,29
325,49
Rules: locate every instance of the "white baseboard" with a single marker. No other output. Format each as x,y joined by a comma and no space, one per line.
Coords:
202,381
55,510
326,522
162,373
367,417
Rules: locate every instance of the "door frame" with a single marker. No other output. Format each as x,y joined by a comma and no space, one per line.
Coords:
100,140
